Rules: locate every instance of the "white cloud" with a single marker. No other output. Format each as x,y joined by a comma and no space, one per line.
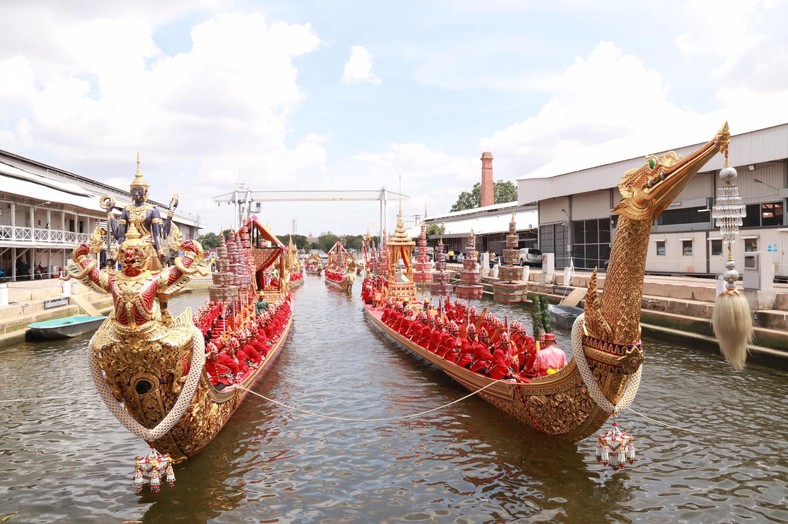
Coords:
223,102
358,69
211,97
602,96
732,35
419,169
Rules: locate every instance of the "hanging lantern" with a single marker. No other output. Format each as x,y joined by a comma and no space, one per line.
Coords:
151,470
731,318
615,448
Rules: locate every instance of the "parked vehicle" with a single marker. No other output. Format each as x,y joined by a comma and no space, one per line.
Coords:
530,256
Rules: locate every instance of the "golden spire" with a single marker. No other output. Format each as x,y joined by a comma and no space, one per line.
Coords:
400,235
138,180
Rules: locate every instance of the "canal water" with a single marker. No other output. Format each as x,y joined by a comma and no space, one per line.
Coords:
340,442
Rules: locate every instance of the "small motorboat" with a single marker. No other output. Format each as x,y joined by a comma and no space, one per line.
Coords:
564,316
65,327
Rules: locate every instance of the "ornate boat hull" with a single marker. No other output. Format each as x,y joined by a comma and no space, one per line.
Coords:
149,386
604,374
558,405
345,284
151,371
297,283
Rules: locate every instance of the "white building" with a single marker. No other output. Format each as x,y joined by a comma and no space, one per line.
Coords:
575,195
45,212
490,224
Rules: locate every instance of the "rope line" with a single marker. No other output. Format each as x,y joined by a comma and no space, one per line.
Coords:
630,389
389,419
395,418
664,424
181,405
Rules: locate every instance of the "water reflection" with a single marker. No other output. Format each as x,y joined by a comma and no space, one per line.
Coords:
68,459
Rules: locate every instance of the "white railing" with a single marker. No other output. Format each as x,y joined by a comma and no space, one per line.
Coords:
23,233
29,235
41,235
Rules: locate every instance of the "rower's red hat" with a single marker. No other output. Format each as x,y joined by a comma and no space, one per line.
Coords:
548,336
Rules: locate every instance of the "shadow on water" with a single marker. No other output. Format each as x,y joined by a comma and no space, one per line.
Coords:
216,480
518,472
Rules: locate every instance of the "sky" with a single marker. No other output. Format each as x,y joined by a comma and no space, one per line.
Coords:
363,95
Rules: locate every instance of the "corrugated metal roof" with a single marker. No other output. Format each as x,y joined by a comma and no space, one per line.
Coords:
17,181
15,172
550,182
22,187
752,116
482,224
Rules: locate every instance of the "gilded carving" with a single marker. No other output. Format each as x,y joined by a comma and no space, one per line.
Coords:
562,404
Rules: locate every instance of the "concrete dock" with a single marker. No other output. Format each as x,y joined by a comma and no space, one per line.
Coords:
674,308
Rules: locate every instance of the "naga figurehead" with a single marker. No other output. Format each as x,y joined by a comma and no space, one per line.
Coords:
646,192
649,189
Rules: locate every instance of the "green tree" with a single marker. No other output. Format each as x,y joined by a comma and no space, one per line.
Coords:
434,230
353,241
208,241
326,241
503,191
300,241
468,200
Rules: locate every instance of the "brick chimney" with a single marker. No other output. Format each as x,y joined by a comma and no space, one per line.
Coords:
488,187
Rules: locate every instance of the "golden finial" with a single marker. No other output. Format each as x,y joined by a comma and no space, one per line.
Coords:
139,181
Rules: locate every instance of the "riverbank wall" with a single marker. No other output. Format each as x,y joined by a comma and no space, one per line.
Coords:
675,309
25,302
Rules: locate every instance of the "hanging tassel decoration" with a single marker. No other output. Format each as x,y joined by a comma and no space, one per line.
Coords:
151,469
731,319
615,448
170,476
138,482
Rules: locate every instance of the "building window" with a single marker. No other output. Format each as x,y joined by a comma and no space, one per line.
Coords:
772,214
591,243
716,247
750,245
767,214
686,248
661,248
553,238
685,215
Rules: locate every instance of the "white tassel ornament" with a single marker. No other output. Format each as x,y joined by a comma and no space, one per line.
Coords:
615,448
